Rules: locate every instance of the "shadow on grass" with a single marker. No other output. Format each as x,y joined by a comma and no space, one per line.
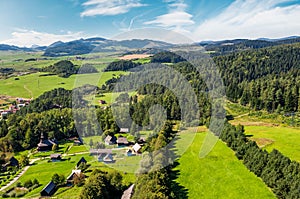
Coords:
179,191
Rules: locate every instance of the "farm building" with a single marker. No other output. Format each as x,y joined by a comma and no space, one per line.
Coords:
12,162
49,189
122,141
55,157
110,140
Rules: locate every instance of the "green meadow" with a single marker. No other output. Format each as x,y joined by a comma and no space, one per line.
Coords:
34,85
284,139
219,175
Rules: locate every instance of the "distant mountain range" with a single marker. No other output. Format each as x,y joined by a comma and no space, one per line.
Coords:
98,44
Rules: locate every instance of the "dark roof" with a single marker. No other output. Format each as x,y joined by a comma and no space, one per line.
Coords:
108,158
82,159
49,189
12,162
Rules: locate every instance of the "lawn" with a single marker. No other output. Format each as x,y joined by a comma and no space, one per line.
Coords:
219,175
284,139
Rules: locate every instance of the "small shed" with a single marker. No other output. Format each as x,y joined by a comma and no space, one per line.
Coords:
55,157
122,141
49,189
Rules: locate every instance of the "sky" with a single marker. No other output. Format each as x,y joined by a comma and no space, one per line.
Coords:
43,22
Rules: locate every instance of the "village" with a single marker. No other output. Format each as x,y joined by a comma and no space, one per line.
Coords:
13,107
112,150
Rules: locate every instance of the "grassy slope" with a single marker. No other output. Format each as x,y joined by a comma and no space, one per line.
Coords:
218,175
32,85
284,139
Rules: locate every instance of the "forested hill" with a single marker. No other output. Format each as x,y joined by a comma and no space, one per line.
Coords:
228,46
266,78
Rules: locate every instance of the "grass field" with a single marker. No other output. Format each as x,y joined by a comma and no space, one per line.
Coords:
284,139
43,171
34,85
218,175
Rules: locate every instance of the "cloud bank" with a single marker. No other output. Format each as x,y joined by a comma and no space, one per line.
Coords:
29,37
252,19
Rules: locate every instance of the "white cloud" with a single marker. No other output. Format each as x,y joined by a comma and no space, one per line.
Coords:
27,38
252,19
109,7
176,17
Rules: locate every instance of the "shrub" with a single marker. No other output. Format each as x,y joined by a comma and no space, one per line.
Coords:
28,183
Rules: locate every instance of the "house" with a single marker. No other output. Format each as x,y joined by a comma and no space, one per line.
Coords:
45,144
128,192
110,140
102,153
70,178
55,157
82,160
136,148
122,141
108,158
49,189
124,130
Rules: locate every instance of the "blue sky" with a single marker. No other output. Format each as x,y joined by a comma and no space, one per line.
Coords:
43,22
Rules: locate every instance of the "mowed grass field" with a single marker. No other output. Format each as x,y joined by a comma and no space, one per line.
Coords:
284,139
219,175
34,85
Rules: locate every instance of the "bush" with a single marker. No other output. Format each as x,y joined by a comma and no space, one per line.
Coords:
19,184
35,182
27,183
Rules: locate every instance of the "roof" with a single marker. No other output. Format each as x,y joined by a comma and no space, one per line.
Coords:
100,151
49,187
122,140
136,147
74,172
110,138
108,158
55,156
82,159
124,130
128,192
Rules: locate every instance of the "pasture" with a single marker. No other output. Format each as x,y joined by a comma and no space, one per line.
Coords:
284,139
219,175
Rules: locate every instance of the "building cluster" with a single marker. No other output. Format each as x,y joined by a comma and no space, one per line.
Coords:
20,102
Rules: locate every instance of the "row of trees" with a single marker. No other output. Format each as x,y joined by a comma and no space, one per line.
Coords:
278,172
